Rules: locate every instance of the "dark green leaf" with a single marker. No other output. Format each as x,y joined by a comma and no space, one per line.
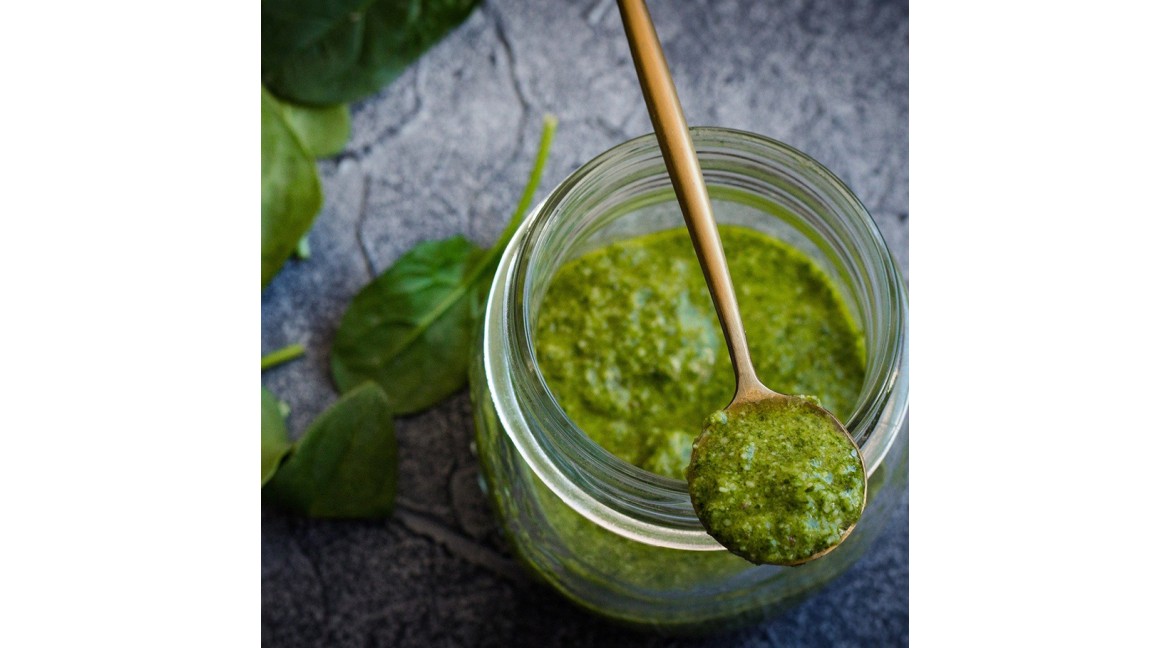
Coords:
346,465
290,193
323,131
274,444
410,329
323,52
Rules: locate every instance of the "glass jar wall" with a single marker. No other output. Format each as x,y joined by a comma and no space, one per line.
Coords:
616,539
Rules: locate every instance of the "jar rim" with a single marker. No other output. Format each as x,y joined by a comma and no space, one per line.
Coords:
655,509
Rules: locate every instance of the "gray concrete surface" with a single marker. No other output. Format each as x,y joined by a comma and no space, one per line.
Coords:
445,149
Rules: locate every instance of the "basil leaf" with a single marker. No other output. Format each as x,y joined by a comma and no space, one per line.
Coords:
346,465
274,443
290,194
322,52
410,329
323,131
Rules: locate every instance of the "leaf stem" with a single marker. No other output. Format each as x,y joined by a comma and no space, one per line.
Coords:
490,260
546,137
280,356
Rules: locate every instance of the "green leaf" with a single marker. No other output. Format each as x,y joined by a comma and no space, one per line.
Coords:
322,52
290,194
274,443
410,329
346,465
323,131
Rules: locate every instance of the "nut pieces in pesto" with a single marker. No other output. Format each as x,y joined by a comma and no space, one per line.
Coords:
776,481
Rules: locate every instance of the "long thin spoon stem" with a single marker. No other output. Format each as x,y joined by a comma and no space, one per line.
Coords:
674,138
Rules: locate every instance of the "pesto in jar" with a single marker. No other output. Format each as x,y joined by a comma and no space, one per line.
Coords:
629,344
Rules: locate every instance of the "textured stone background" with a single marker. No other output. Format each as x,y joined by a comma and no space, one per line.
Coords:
445,149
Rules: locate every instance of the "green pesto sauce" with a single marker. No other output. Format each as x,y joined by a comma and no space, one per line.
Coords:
628,341
775,482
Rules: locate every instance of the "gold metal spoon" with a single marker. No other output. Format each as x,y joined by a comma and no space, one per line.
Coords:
682,163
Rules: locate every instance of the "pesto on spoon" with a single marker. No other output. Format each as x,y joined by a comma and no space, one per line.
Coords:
776,479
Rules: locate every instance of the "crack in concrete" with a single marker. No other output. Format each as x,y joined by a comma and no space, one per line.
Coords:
390,131
526,106
403,502
425,510
461,547
610,130
361,241
326,605
452,208
498,27
890,191
597,13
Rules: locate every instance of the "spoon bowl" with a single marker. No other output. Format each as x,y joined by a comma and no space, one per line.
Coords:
776,481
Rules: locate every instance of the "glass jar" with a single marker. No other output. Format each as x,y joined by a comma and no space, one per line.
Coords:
612,537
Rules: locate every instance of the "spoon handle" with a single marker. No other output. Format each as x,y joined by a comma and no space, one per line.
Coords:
670,126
